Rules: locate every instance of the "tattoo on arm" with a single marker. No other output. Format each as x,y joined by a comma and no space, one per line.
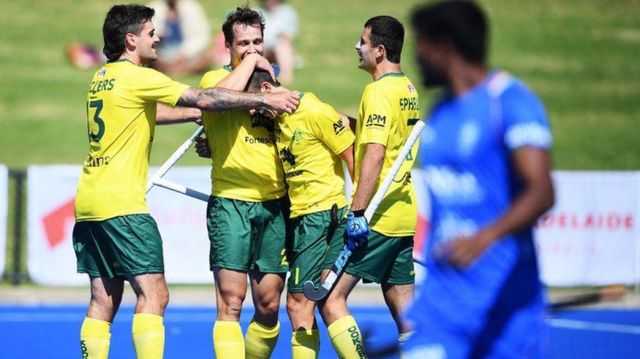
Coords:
218,99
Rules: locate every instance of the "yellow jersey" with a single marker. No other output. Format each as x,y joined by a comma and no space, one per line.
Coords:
245,164
121,118
388,110
309,142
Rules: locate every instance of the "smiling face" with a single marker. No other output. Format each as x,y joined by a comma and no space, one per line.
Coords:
247,39
367,53
145,43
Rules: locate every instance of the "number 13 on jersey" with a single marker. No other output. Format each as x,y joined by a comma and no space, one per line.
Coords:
96,107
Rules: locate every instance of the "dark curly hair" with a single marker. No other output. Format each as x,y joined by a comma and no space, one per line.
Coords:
120,21
242,15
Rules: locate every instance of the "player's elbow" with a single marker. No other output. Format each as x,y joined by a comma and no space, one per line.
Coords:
546,197
549,198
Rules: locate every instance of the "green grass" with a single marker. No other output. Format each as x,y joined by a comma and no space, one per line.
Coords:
579,56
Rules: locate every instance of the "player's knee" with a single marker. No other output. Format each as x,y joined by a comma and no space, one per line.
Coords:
162,299
231,306
268,306
102,307
293,306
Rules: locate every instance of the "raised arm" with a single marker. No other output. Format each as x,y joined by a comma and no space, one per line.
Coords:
238,78
220,100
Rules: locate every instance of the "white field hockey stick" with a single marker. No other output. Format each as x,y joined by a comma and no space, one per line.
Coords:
157,180
316,294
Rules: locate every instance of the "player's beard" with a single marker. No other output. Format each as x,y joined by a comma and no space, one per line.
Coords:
432,76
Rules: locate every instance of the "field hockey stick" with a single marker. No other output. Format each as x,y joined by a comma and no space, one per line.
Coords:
309,289
605,294
158,180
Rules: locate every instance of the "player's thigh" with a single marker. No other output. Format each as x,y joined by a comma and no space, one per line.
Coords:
230,233
120,246
309,246
231,285
270,226
106,296
266,288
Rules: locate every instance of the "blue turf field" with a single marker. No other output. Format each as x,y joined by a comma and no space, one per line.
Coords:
52,332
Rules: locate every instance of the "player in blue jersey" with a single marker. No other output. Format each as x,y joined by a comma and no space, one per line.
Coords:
485,159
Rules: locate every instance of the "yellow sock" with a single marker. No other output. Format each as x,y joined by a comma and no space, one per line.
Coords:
346,338
94,338
227,340
148,336
305,344
260,340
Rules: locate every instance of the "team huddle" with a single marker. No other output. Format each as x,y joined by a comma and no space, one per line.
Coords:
277,201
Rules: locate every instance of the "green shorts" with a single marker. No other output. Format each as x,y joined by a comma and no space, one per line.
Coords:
382,259
309,245
118,247
247,236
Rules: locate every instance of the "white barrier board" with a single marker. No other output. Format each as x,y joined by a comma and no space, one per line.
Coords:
181,221
591,236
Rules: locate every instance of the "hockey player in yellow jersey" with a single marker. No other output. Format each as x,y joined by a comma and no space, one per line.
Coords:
311,143
248,205
388,110
115,238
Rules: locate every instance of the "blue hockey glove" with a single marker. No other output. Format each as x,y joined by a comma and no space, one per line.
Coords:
357,227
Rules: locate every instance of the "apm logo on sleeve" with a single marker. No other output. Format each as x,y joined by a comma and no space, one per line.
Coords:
375,120
338,127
